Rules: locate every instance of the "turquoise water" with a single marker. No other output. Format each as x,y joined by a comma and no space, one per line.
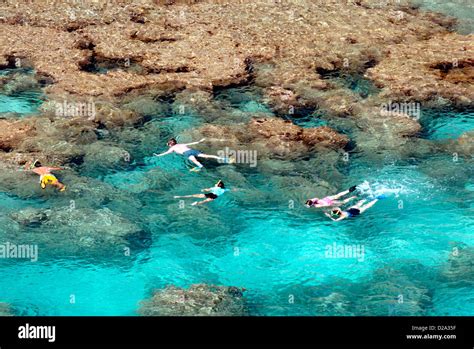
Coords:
17,100
252,237
280,250
446,123
22,103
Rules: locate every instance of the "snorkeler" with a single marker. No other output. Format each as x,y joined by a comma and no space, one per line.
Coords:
183,149
217,190
331,200
338,215
46,177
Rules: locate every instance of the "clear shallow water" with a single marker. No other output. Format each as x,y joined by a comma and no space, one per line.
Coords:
21,102
251,237
447,123
463,10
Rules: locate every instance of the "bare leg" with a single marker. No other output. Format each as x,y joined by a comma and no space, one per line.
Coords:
59,185
194,160
337,196
212,157
345,201
359,204
195,203
369,205
190,196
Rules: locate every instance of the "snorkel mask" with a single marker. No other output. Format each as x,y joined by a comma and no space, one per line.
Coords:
33,164
310,202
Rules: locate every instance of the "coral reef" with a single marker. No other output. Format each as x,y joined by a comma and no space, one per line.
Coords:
5,310
459,267
143,53
273,137
79,229
197,300
392,292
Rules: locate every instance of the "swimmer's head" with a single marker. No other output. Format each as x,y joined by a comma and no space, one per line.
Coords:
171,142
37,164
311,202
336,212
220,184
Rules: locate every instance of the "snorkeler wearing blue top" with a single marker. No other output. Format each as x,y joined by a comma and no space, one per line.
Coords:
213,193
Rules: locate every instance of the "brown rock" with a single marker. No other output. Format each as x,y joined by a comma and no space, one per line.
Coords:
13,133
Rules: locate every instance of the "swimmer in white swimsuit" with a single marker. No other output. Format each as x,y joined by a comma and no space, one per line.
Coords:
191,154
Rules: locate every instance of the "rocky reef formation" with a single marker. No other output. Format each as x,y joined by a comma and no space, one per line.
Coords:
273,137
392,292
197,300
430,70
126,58
204,44
79,229
14,133
463,145
459,268
388,291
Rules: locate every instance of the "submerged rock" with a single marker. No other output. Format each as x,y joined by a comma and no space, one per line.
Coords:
463,145
79,228
20,83
6,310
100,155
273,137
459,267
390,292
335,304
197,300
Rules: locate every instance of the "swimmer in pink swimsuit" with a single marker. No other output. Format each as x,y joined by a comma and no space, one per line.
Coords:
332,200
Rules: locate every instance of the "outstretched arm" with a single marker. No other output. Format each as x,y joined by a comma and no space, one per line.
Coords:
345,201
337,196
201,140
54,168
206,189
369,205
335,220
169,151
